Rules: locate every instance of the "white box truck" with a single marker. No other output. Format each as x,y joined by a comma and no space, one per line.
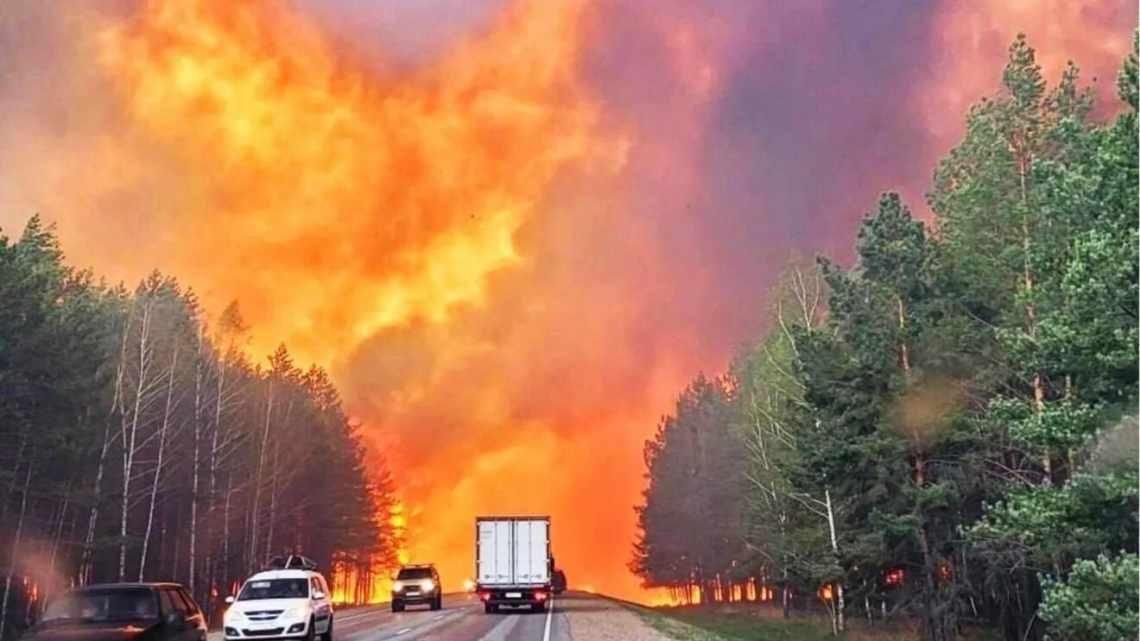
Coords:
512,561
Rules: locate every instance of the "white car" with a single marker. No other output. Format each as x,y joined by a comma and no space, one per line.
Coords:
281,604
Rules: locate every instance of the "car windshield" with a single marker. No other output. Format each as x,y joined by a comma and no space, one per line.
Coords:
274,589
411,574
101,606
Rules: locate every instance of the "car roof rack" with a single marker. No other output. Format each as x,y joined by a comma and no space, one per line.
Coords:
292,562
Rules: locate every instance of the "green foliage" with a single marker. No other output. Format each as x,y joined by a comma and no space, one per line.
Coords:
127,422
692,505
1048,527
1097,602
960,413
1126,82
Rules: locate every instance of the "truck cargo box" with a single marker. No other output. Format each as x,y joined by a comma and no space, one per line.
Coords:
512,560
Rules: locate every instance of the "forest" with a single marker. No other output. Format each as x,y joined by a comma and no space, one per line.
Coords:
944,433
138,442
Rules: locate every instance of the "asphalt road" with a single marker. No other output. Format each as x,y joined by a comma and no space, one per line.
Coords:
461,619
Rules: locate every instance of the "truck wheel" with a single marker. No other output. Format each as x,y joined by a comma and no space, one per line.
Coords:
539,607
488,608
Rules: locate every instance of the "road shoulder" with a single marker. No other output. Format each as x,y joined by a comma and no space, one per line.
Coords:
596,618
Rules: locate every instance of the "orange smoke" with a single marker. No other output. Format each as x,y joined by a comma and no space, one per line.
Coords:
395,197
355,205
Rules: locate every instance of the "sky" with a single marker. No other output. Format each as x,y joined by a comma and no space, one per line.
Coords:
511,229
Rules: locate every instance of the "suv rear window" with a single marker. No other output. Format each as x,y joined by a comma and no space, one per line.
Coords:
274,589
414,573
130,604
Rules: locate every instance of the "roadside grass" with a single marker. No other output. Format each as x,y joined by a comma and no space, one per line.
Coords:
745,623
702,624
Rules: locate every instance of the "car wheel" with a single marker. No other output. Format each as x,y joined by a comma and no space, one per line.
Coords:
327,636
435,603
312,634
397,606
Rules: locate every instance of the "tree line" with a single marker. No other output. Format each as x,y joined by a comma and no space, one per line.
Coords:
138,442
945,432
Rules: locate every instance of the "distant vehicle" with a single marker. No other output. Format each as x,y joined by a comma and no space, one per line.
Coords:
512,561
558,582
121,612
289,601
417,584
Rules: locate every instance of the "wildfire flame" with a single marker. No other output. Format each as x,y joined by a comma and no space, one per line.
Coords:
395,196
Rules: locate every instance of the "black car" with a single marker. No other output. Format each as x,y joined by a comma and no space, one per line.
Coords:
558,581
121,612
417,584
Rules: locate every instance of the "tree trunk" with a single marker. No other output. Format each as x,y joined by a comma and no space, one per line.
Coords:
116,406
257,480
226,537
158,465
933,615
272,501
130,438
785,597
1030,307
835,551
57,538
93,512
904,352
15,548
211,506
15,476
195,473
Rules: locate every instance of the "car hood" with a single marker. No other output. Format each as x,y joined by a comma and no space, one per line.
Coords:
257,605
88,632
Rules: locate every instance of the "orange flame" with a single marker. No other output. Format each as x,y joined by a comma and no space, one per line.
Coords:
395,196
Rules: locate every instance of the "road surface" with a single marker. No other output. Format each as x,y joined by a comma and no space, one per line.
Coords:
573,617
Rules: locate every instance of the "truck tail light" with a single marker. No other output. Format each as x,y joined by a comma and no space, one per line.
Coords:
539,595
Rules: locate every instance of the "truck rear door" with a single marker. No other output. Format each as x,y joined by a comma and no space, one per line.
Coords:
531,551
495,543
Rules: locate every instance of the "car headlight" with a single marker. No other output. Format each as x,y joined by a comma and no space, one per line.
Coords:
398,586
298,612
428,585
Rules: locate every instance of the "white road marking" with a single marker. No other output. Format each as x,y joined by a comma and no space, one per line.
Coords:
549,614
399,632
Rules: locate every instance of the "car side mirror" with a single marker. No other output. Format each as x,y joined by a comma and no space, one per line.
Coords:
230,600
176,619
